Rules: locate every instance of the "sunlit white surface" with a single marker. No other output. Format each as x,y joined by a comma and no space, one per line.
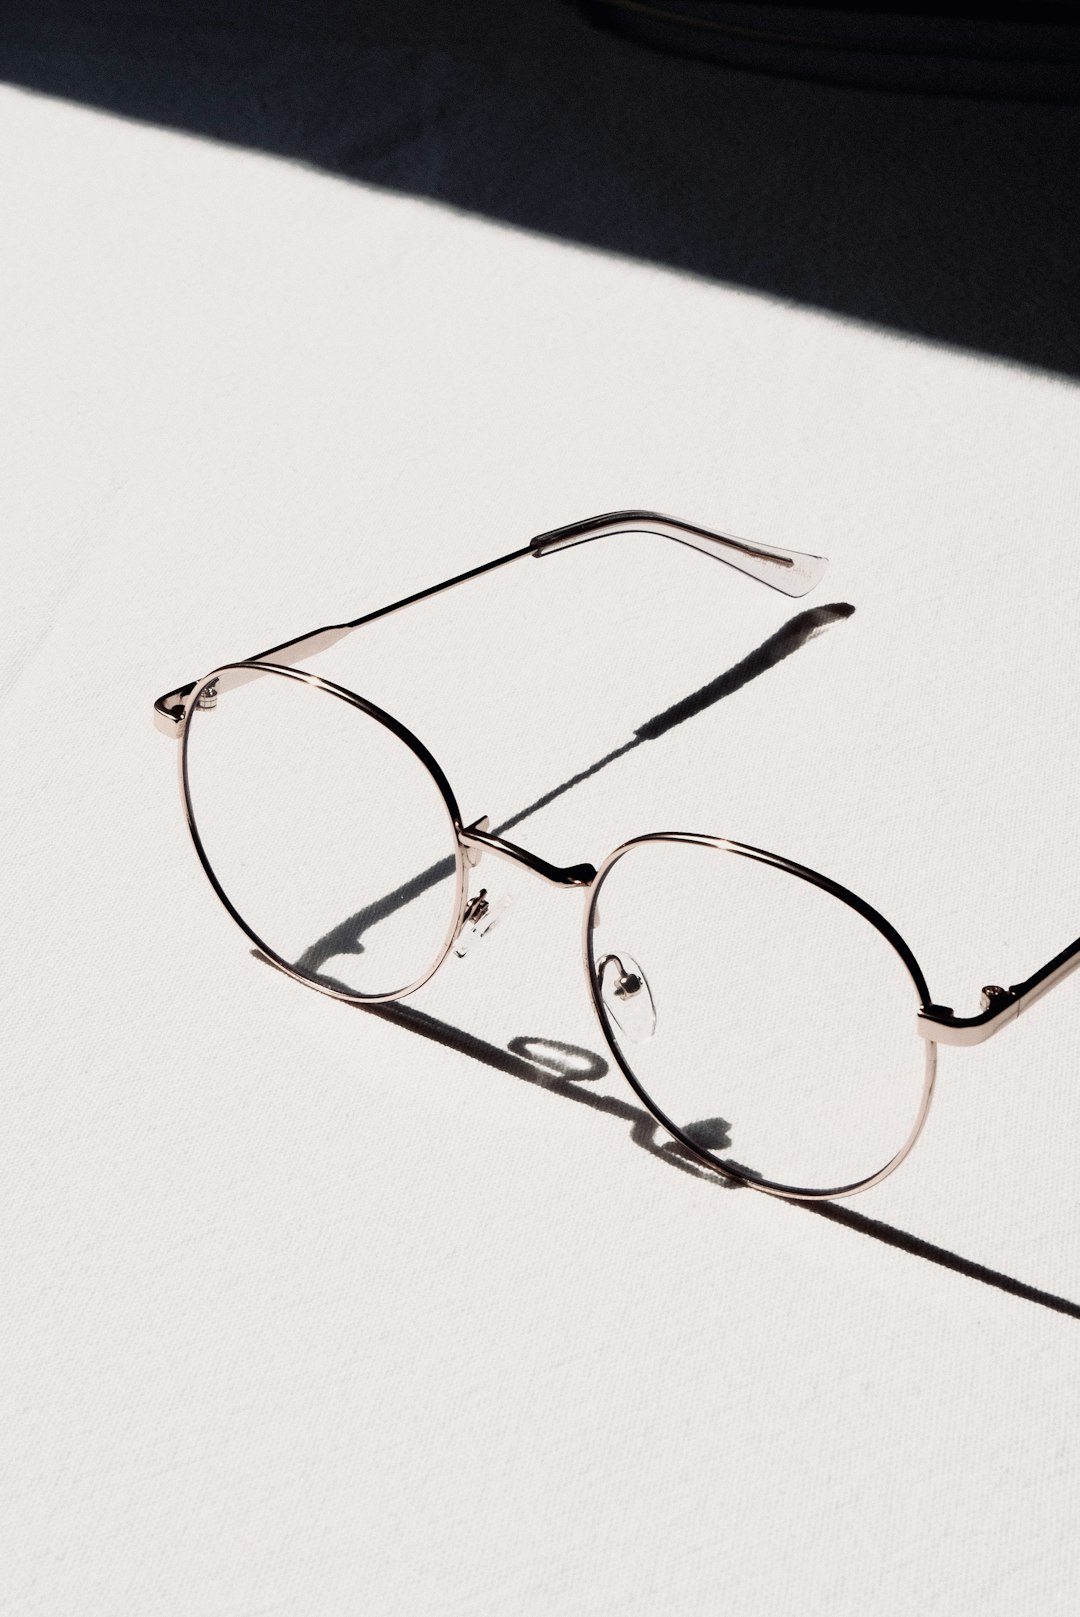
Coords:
309,1311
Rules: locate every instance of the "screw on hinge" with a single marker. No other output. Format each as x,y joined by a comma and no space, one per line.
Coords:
993,997
208,698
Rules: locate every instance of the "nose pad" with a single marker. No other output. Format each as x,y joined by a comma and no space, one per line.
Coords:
627,997
481,914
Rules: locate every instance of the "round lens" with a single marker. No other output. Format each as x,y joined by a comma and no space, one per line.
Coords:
765,1020
328,836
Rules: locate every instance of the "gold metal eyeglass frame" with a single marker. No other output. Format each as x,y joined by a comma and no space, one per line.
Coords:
791,572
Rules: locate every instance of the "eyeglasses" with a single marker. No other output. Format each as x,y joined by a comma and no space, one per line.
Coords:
773,1022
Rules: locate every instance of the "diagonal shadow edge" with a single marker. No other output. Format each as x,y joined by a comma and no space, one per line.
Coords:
519,115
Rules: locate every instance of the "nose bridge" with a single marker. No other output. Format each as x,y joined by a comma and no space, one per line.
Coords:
479,837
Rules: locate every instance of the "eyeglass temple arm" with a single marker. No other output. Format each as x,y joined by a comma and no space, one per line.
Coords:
1000,1005
788,570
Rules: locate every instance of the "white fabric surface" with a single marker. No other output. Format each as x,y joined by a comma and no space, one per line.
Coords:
304,1312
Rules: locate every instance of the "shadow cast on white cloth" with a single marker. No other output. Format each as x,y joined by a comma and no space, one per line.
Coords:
347,936
563,1069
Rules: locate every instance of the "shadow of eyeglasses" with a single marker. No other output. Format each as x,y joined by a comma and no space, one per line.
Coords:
563,1068
346,938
